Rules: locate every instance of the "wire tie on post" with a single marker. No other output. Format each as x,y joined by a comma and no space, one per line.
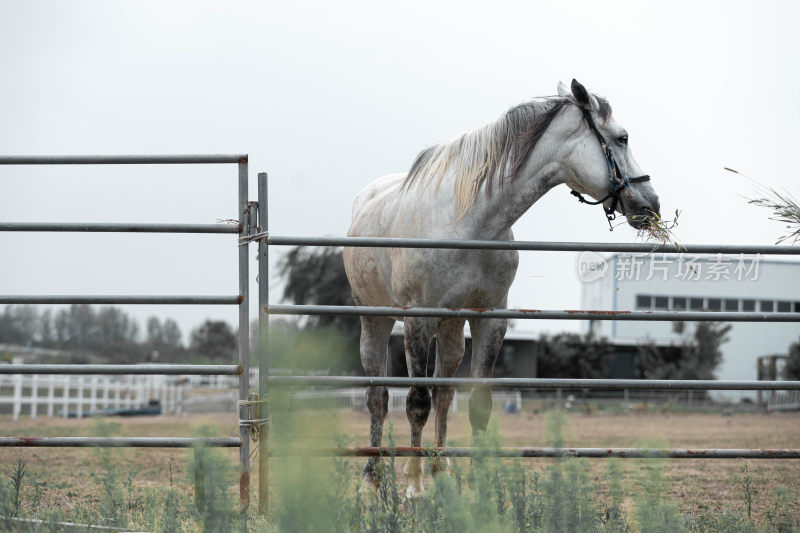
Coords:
255,237
254,424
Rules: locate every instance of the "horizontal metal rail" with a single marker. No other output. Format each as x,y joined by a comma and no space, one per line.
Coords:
122,159
120,300
537,383
35,524
538,314
119,442
125,370
119,227
391,242
640,453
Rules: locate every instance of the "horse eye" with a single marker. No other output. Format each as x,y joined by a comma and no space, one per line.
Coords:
623,139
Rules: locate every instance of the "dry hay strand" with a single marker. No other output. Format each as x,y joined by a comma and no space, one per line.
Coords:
785,208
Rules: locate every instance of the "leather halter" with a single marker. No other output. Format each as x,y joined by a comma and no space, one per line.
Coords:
618,181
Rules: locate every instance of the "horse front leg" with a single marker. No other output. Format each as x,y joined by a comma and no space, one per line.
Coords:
375,332
418,401
449,352
487,337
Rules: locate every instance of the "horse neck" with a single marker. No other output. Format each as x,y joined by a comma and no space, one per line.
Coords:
493,215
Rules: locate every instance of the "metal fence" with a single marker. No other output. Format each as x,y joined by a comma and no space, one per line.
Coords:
253,408
265,309
246,219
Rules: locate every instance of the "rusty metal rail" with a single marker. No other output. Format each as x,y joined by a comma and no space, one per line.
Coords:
125,370
537,383
641,453
542,246
166,159
532,314
95,227
120,442
122,300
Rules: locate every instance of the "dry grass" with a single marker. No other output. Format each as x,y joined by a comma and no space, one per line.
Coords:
696,483
71,474
659,230
785,208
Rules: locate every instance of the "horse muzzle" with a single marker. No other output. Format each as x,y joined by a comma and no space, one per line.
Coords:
643,216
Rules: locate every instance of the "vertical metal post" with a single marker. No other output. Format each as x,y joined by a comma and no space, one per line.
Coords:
34,395
263,346
199,478
244,338
17,409
65,398
79,409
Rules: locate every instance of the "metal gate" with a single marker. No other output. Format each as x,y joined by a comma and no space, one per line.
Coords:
245,219
265,309
253,410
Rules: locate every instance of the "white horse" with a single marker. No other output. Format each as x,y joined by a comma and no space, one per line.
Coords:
475,187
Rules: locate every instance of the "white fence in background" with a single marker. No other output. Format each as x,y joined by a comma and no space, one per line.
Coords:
355,398
79,396
784,400
52,395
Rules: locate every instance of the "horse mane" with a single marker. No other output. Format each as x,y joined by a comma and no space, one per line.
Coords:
496,150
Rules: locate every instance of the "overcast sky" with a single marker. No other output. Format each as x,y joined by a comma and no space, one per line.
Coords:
328,96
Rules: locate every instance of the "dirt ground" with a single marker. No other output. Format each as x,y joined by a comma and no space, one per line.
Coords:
696,484
71,474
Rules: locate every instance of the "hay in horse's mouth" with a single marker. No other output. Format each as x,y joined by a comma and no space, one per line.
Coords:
656,229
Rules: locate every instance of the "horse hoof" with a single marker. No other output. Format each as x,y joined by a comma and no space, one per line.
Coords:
413,492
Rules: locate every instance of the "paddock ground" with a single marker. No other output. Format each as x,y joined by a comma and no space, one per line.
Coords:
72,475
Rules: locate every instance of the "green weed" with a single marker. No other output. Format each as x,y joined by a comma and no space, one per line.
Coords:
16,483
654,511
311,493
746,485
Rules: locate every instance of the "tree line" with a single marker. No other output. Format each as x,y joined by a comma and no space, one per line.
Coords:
317,276
108,333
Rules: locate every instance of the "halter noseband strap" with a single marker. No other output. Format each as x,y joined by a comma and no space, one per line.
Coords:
618,182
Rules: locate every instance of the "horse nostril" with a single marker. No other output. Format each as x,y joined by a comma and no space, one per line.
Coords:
657,208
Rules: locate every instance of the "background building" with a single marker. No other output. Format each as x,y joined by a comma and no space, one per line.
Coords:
695,283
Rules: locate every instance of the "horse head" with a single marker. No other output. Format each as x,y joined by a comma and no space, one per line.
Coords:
600,162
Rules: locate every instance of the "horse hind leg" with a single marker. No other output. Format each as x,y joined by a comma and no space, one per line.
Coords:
418,401
375,332
449,352
487,337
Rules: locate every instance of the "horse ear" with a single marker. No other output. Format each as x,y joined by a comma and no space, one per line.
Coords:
584,98
562,89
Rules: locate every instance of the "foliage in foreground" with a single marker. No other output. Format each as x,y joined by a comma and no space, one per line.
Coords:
494,495
313,493
316,494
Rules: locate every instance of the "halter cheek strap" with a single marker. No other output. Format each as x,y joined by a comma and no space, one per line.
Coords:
618,182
